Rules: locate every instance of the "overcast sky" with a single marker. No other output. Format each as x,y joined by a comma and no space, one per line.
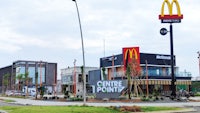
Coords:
48,30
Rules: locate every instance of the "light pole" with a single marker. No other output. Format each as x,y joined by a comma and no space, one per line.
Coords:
199,60
41,80
84,80
40,73
164,31
172,63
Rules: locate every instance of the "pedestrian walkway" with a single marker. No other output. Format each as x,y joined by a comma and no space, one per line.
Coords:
59,103
195,98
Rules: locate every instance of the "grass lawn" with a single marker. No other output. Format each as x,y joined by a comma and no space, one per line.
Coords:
57,109
73,109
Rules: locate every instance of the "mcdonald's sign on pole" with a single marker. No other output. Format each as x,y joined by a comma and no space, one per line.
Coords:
129,53
170,18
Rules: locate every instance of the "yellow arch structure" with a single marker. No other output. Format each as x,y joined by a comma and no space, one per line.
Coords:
170,7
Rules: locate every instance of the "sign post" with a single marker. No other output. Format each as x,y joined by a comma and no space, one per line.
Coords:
171,18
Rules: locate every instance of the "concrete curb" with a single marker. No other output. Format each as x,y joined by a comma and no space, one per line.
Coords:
1,111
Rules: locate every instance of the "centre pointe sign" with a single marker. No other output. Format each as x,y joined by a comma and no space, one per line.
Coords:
171,17
110,86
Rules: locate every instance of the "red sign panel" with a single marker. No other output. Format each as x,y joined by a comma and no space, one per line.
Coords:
129,53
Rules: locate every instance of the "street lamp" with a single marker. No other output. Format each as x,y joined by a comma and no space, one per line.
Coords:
171,18
164,31
84,80
199,60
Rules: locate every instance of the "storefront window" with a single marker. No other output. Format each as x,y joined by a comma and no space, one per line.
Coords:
31,71
41,74
152,71
19,70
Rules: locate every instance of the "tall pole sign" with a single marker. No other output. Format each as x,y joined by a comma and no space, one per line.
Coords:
171,18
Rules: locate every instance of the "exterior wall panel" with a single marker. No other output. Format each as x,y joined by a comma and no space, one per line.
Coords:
22,66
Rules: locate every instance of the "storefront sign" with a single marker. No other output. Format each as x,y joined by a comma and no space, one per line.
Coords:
170,18
129,53
111,86
163,57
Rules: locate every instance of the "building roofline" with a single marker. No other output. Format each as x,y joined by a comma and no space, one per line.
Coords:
140,53
33,61
6,66
79,67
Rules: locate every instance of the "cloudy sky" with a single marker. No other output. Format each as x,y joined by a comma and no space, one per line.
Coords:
48,30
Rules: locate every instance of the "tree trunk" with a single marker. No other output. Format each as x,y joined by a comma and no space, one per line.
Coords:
19,85
135,87
27,88
129,92
36,90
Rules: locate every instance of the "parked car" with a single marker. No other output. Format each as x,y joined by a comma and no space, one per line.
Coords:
14,93
19,93
32,93
9,92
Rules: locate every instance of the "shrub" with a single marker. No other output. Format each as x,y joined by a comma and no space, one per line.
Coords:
76,99
197,94
130,109
145,98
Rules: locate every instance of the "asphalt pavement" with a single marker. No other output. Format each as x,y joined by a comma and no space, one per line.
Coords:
8,104
29,101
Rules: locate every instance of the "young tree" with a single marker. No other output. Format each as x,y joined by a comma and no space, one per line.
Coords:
128,74
6,81
26,79
135,70
104,73
19,78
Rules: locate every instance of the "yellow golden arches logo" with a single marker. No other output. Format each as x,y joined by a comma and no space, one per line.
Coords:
129,53
132,52
170,7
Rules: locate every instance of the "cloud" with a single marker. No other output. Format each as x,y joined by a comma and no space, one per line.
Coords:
51,28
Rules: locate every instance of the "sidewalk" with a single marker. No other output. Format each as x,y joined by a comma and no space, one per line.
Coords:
59,103
188,105
197,99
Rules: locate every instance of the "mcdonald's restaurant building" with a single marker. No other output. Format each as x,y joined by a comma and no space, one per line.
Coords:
155,71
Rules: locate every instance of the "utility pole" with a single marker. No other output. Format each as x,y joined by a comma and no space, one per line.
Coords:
83,54
113,69
74,88
147,80
40,73
199,61
41,92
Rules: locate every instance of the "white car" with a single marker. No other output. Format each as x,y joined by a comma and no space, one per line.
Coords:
9,92
32,92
